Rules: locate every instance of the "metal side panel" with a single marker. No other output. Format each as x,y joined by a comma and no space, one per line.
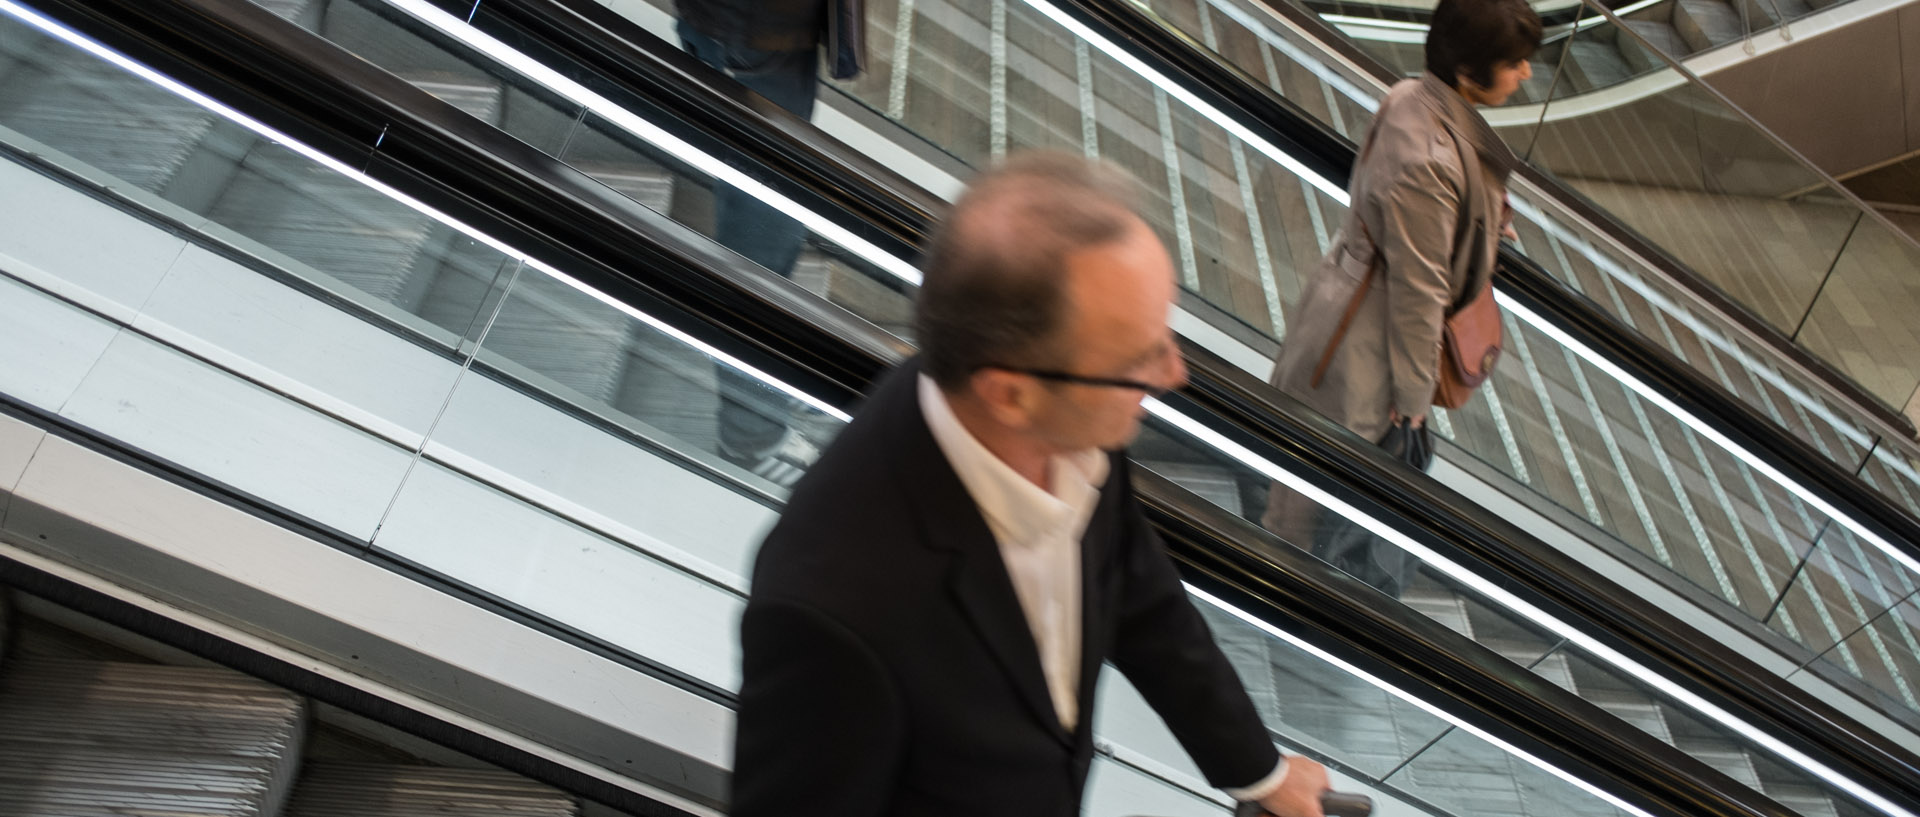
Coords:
336,789
107,525
105,738
6,626
51,344
65,241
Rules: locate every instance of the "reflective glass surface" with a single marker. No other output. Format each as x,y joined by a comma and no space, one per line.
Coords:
1243,231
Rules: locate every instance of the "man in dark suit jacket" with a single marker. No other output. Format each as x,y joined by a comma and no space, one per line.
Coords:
929,616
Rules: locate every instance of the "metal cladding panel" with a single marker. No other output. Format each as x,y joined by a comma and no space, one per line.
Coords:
101,738
329,789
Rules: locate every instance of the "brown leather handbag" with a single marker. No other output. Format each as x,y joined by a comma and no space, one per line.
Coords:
1469,343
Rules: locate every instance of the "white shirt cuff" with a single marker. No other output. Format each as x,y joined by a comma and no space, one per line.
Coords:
1262,787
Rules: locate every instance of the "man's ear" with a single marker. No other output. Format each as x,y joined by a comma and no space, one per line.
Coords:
1007,397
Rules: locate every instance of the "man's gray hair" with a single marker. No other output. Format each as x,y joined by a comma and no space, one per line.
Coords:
994,288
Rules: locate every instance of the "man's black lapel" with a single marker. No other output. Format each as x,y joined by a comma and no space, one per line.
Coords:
951,521
1096,582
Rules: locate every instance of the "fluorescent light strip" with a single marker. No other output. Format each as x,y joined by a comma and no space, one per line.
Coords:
654,134
1416,701
1180,92
59,31
686,152
1506,598
1370,22
1361,31
820,224
646,130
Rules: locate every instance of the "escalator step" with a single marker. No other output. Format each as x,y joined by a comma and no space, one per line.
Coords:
1728,759
88,738
1660,35
333,789
1805,801
1596,64
482,101
285,9
326,220
1704,24
1441,605
1636,709
651,186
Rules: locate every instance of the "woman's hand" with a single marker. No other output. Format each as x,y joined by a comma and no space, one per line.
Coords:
1394,416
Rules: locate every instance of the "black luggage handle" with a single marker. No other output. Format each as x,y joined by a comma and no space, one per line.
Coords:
1333,803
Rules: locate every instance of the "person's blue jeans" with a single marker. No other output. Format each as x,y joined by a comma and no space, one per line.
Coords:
753,418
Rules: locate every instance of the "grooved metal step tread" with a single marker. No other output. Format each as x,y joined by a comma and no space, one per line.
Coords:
329,221
1440,605
1803,800
333,789
650,185
1728,759
1704,24
1634,708
86,738
1660,35
482,101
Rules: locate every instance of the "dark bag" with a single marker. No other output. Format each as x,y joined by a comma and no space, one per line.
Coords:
1355,550
846,38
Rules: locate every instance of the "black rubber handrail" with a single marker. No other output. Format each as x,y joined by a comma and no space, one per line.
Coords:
481,175
605,38
1763,695
1248,100
210,43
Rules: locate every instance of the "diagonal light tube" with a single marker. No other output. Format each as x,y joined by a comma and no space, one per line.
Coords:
642,128
74,38
654,135
905,271
1431,709
900,268
1500,595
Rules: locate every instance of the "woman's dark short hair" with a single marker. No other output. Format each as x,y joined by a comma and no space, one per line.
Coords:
1472,36
994,291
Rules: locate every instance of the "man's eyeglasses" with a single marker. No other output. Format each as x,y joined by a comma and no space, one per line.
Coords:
1082,380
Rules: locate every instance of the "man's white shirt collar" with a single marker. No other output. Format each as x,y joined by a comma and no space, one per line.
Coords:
1017,508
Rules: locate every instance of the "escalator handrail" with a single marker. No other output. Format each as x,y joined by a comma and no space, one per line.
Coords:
1636,244
515,191
1550,578
1331,155
1239,94
1569,585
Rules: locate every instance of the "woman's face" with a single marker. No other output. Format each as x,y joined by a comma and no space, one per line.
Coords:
1507,77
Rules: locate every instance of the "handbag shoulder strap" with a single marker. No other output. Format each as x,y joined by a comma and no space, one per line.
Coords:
1340,332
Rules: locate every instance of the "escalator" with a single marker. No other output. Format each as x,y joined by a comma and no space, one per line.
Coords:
1561,431
451,430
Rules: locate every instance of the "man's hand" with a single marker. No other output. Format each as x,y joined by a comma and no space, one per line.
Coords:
1300,790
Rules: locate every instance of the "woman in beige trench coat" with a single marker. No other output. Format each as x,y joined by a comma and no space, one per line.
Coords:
1429,192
